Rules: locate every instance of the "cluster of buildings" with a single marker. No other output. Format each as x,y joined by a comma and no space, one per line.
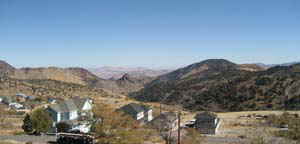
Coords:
19,102
206,122
77,113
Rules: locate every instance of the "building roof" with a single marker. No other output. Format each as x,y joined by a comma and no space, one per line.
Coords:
21,95
79,102
51,99
69,105
134,109
206,115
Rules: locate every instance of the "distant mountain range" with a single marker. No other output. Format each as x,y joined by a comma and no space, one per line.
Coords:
123,85
272,65
220,85
117,72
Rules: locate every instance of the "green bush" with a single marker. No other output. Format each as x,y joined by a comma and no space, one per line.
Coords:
41,120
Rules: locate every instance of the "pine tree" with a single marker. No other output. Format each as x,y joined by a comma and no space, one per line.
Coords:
27,124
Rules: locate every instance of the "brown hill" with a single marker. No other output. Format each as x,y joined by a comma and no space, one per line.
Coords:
221,85
6,68
52,73
47,88
74,75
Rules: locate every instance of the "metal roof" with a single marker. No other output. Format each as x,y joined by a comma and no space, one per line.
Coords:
134,109
69,105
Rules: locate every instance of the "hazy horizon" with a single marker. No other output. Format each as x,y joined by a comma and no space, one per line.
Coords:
152,34
134,67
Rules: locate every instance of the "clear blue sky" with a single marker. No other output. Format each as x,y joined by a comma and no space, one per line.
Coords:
150,33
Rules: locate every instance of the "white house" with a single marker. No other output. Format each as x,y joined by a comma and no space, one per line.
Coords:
70,110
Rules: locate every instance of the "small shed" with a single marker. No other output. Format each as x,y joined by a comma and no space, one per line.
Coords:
138,112
207,123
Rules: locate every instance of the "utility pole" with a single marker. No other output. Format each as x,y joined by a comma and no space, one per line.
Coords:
179,119
160,108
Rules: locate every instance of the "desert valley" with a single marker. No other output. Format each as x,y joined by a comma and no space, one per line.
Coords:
249,102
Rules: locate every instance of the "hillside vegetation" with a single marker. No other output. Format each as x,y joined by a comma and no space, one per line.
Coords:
46,88
221,85
75,75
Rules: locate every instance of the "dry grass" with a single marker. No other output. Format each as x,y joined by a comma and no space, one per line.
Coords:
233,125
238,114
8,124
10,142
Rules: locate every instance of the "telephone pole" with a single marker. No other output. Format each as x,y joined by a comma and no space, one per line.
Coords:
160,108
179,119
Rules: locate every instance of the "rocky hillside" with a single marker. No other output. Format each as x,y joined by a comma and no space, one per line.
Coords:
221,85
47,88
69,75
6,68
132,84
75,75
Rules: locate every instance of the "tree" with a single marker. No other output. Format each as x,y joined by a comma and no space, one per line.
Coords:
27,124
41,120
63,127
118,128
